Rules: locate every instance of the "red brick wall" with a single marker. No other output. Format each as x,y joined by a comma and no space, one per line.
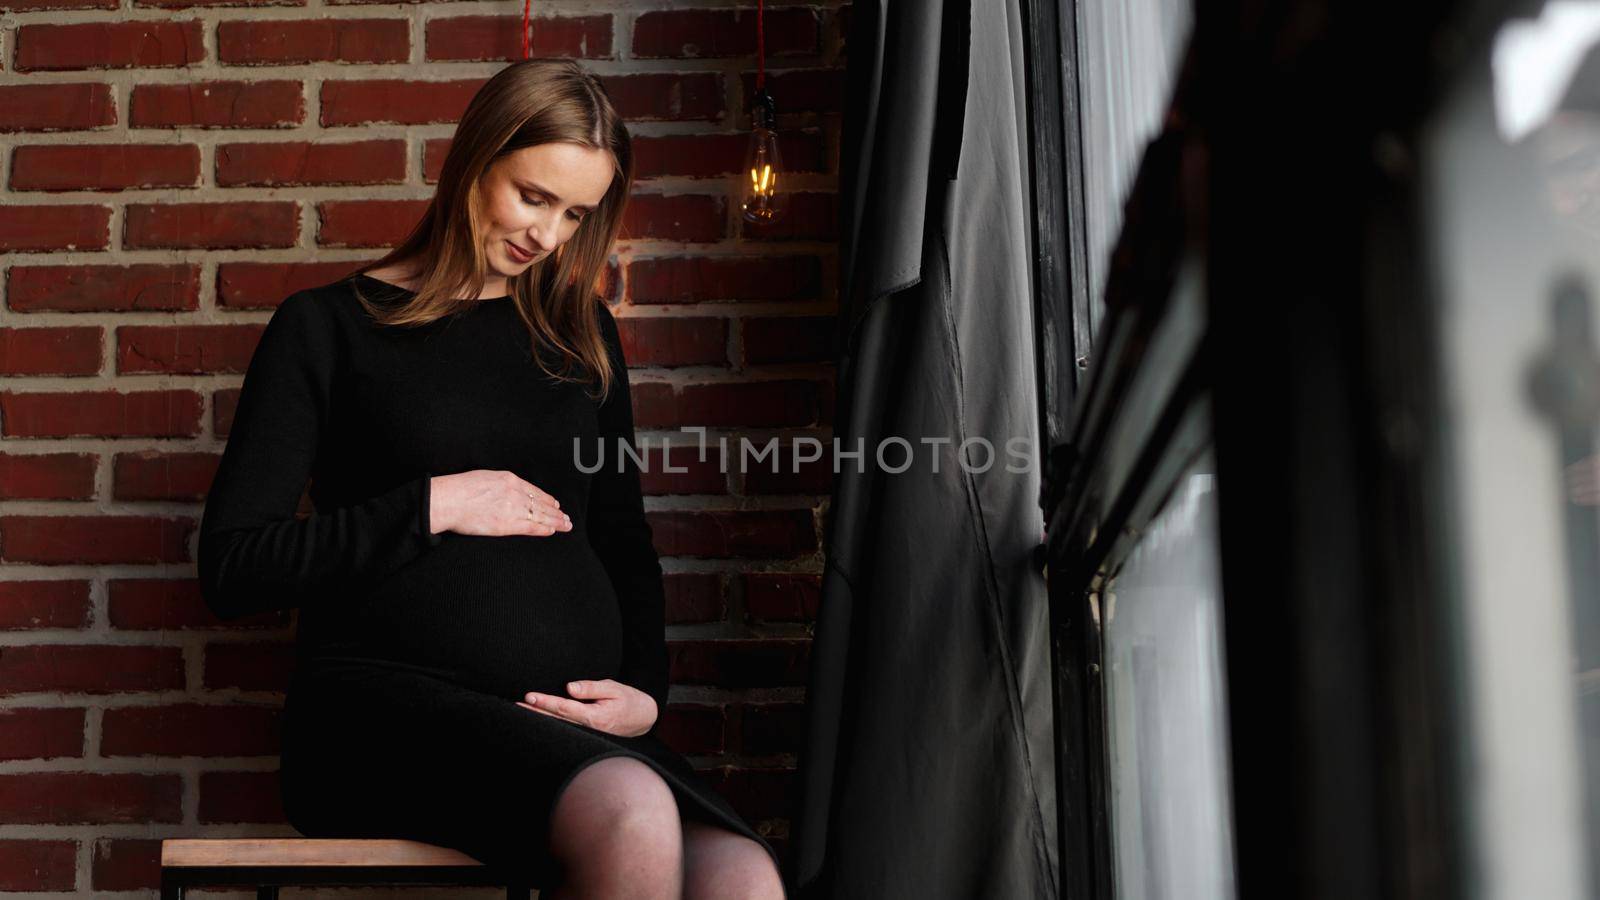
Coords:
171,170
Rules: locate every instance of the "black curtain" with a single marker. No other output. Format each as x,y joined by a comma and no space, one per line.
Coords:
929,766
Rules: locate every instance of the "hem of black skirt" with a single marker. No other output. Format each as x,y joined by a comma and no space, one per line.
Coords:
718,817
680,788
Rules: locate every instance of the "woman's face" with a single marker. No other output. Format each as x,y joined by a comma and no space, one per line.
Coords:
534,199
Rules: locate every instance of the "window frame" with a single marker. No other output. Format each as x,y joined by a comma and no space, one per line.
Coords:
1370,366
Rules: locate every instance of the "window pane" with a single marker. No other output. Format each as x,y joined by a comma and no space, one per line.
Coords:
1514,165
1129,54
1165,706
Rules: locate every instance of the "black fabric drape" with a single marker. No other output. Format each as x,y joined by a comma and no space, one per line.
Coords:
929,765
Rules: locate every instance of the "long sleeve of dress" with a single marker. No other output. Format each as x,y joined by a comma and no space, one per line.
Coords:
621,536
254,554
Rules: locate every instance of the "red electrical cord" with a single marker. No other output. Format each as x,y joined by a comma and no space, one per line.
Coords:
761,45
526,7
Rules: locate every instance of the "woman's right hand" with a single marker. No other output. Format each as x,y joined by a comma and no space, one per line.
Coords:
492,502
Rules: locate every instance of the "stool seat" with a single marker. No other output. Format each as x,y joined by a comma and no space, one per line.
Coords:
308,852
269,863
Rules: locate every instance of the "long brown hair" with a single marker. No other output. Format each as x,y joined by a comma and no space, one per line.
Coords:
527,103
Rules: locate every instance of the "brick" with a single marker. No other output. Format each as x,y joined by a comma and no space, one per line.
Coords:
56,107
26,229
104,167
108,45
154,475
35,5
395,101
138,287
67,540
87,798
693,597
41,732
699,33
654,404
200,4
217,104
741,662
810,217
772,404
802,90
664,95
434,151
610,288
212,226
186,349
367,223
675,217
223,404
707,477
40,603
806,477
227,797
288,41
773,597
759,794
170,604
499,38
677,341
51,350
694,728
191,729
767,729
47,476
247,285
311,163
89,668
720,155
29,865
789,339
707,279
174,413
249,667
760,533
127,864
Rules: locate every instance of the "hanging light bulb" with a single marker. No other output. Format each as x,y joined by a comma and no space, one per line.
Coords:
764,199
764,202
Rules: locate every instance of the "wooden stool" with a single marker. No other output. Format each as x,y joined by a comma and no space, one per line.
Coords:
270,863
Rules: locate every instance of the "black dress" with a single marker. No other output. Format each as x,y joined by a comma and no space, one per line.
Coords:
413,648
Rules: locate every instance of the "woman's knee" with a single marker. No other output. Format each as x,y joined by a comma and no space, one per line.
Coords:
618,800
720,863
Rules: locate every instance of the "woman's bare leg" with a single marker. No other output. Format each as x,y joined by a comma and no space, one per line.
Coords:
722,865
615,832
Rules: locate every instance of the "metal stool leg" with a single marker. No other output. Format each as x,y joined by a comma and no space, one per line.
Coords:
270,892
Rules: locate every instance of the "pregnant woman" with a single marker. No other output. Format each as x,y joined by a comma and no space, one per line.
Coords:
481,659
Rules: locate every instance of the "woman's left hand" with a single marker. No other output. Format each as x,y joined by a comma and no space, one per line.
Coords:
603,705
